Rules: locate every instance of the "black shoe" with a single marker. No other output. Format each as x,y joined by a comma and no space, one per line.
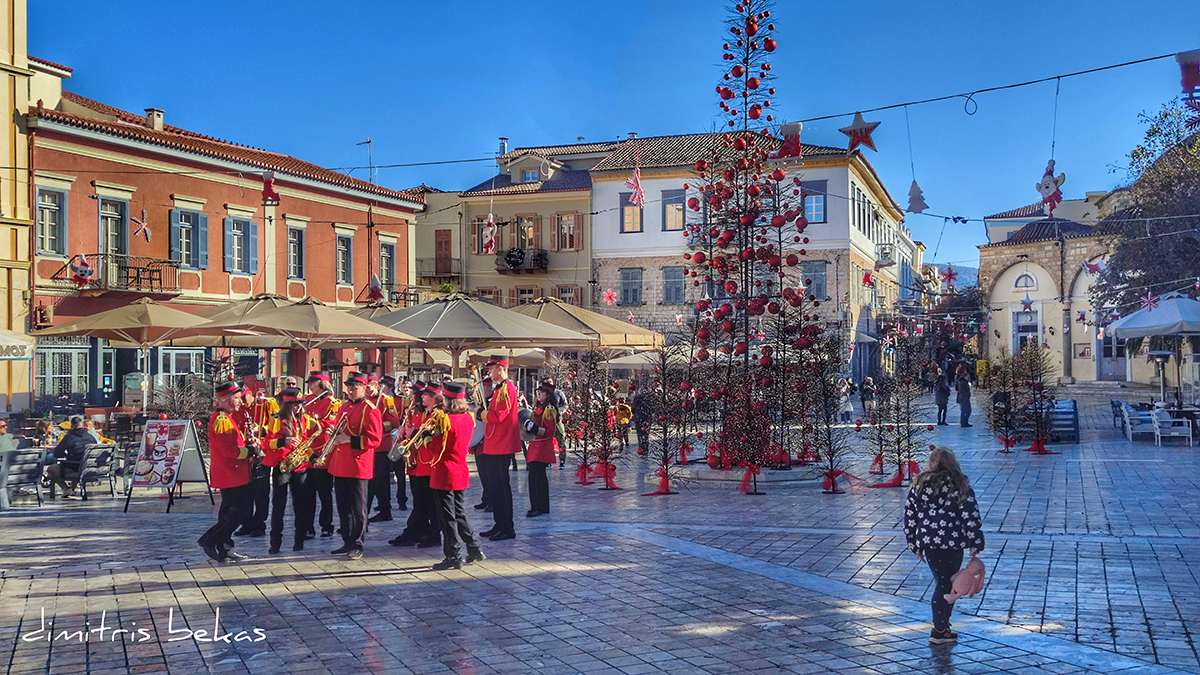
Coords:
430,543
379,518
475,556
212,552
966,426
354,553
274,548
342,550
243,531
234,556
298,546
481,506
941,637
502,536
326,533
943,424
310,535
490,532
258,533
448,564
403,507
402,540
531,513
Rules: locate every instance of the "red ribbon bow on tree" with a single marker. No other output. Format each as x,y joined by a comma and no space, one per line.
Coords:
752,470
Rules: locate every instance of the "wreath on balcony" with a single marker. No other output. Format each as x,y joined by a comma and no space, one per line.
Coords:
515,257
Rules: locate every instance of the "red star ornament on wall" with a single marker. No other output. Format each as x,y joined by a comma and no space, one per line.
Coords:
610,297
859,132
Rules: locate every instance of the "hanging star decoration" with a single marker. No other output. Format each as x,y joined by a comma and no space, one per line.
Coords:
610,298
888,341
1027,303
143,229
949,276
1192,124
1149,302
860,132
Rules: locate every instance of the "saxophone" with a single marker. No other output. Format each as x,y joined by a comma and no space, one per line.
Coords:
436,424
299,454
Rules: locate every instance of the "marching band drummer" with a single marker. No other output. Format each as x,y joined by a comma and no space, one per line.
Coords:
324,408
380,488
229,472
292,429
353,461
449,478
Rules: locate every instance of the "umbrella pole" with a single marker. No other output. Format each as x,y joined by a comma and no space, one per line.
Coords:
145,384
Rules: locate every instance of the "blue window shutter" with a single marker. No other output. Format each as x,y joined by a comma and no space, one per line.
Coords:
200,236
176,254
252,256
229,245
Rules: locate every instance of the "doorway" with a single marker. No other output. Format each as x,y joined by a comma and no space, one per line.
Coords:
1112,359
442,253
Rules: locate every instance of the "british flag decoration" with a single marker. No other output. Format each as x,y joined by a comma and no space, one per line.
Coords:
638,198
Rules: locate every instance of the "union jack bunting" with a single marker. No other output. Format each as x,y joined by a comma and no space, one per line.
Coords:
638,198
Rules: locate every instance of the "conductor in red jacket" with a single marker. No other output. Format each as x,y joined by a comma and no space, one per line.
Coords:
449,477
353,461
501,440
229,469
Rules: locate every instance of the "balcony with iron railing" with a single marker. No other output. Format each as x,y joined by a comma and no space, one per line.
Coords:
518,260
403,295
439,267
119,273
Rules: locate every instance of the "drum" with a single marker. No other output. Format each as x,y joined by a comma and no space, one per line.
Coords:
523,416
477,434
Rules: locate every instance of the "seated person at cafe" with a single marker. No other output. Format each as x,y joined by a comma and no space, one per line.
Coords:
7,442
70,451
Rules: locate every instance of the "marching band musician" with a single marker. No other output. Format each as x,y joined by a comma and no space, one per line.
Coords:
449,477
543,449
402,403
292,427
380,488
421,528
324,407
258,416
353,461
501,441
229,472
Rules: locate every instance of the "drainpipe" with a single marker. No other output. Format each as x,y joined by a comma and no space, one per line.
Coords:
1064,301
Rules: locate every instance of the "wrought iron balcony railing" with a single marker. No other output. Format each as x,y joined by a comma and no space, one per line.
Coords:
439,267
115,272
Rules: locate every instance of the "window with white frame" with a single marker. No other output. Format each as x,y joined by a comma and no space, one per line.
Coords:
489,295
526,232
530,176
673,285
569,294
526,295
295,253
1026,282
241,246
387,264
345,261
631,286
814,201
673,213
568,232
60,371
631,215
815,270
189,238
52,222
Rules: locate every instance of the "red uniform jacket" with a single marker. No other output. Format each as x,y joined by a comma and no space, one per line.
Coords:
276,448
391,420
417,467
502,436
364,426
229,466
544,448
325,411
452,473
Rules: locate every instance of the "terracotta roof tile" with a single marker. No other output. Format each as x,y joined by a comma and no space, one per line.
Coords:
682,150
131,126
1034,209
52,64
1047,229
554,151
562,180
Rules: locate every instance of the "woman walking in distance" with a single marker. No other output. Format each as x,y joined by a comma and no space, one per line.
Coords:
962,386
941,518
292,430
449,477
543,424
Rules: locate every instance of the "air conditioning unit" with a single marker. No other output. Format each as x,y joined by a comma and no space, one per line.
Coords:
885,255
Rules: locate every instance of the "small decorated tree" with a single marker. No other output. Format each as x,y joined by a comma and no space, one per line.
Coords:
1005,391
674,398
829,441
588,416
1035,371
902,411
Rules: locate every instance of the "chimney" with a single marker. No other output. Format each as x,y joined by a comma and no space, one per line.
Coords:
579,139
632,135
154,119
503,145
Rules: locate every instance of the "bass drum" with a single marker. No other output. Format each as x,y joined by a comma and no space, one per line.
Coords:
477,434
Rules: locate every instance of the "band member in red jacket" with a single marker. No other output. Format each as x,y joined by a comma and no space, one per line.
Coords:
353,461
258,417
380,489
543,449
501,441
323,407
449,478
229,472
290,431
400,400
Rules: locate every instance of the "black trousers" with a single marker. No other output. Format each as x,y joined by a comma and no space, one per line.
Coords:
452,518
401,497
236,505
380,491
493,471
483,498
422,520
323,486
260,500
943,562
964,412
304,500
942,412
351,496
539,487
643,436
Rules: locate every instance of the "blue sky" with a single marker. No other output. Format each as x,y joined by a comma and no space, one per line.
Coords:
437,81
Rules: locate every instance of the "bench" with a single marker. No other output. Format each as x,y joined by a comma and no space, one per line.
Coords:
1118,418
1136,421
1166,426
20,468
98,466
1064,420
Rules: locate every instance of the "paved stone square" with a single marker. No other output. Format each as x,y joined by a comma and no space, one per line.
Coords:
1090,561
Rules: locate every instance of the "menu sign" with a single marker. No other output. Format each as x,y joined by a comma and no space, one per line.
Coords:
159,458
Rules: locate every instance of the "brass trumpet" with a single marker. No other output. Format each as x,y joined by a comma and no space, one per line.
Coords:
322,459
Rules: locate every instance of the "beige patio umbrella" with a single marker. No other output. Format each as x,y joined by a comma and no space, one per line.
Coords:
238,309
144,324
531,358
374,309
311,324
609,332
457,323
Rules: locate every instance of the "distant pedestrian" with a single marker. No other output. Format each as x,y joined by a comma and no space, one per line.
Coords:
941,518
963,388
941,395
643,409
867,394
845,407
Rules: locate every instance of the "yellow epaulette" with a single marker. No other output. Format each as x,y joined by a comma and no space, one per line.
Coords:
549,414
222,424
371,404
335,405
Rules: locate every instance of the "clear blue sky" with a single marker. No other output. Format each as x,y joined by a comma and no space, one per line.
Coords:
433,81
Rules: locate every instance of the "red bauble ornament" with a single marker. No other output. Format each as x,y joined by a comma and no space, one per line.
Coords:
737,71
792,259
752,83
769,44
